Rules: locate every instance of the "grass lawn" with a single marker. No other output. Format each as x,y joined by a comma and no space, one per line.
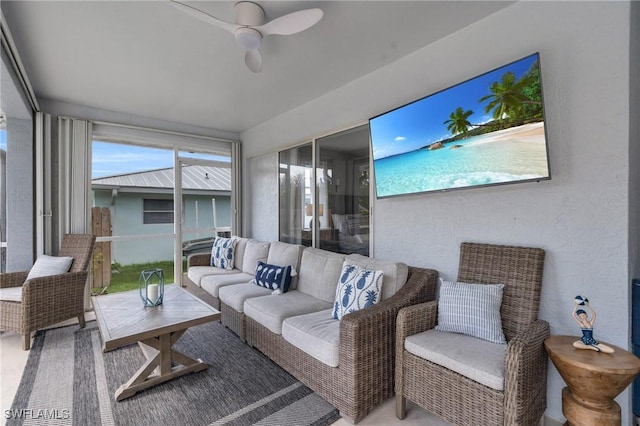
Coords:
125,277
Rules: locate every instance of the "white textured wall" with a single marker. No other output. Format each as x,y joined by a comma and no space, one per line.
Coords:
580,217
19,197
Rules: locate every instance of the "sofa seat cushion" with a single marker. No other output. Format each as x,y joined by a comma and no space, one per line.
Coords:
195,273
319,273
212,283
11,294
395,273
317,334
271,310
234,295
471,357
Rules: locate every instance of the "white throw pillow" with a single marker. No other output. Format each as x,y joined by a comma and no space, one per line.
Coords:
471,309
50,265
358,288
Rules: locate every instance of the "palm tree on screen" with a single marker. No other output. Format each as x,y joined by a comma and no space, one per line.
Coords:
458,121
506,98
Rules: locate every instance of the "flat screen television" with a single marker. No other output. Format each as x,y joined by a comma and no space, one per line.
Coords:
488,130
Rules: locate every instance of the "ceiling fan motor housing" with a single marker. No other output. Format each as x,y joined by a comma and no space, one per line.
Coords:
249,14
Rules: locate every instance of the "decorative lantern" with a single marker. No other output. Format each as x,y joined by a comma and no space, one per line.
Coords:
151,286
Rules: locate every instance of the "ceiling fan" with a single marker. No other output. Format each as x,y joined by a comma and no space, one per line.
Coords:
249,27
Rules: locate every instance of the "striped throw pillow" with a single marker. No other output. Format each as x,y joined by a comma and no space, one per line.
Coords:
471,309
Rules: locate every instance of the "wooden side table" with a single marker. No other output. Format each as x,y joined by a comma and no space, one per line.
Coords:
594,379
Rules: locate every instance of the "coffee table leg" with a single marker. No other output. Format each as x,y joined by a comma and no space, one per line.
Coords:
167,363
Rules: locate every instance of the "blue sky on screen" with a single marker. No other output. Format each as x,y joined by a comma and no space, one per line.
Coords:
111,159
422,122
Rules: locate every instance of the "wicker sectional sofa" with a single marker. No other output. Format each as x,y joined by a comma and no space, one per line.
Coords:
349,362
206,281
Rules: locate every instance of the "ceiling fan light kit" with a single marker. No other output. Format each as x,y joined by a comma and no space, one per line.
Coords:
249,27
248,38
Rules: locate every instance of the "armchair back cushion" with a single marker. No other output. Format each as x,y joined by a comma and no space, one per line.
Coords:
50,265
518,268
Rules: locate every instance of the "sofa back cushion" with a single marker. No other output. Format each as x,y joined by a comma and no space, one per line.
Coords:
395,273
241,246
255,251
319,273
283,254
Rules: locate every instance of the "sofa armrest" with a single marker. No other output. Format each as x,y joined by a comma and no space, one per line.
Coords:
199,259
367,336
13,279
525,374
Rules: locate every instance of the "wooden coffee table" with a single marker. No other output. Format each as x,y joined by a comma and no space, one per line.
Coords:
123,320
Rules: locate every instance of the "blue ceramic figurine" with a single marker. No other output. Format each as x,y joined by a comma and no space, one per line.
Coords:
581,316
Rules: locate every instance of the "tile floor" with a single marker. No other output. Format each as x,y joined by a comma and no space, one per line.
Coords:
13,360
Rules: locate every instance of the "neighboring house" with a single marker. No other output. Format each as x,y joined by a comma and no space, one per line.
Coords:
142,204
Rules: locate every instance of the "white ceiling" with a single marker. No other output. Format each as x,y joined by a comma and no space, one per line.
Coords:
150,59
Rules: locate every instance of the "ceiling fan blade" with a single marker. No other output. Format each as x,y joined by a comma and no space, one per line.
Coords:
253,59
292,23
204,16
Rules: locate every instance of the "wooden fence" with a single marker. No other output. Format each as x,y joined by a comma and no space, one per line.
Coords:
101,267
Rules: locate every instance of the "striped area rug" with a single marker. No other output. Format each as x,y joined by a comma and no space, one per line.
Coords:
68,380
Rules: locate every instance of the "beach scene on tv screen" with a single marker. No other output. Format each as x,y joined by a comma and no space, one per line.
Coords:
487,130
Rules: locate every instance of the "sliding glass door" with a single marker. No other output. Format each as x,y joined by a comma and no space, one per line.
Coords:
324,192
132,214
147,213
342,187
296,195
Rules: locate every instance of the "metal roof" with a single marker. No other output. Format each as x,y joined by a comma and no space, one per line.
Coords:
194,177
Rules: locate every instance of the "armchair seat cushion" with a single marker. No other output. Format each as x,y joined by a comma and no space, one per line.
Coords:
316,334
195,273
213,283
11,294
471,357
271,310
234,295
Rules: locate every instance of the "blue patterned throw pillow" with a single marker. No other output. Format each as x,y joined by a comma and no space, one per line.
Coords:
358,288
222,253
273,277
471,309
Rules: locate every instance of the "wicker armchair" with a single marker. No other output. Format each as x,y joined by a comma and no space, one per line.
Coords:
463,401
48,300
